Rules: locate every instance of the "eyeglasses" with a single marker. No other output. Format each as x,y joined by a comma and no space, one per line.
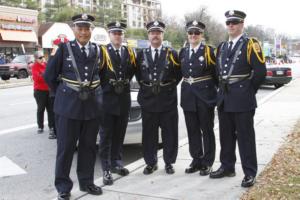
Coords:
194,32
232,22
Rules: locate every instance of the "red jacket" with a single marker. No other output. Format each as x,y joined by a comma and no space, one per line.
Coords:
37,75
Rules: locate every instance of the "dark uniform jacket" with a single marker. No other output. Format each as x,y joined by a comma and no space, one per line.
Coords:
67,102
250,64
114,103
166,100
202,65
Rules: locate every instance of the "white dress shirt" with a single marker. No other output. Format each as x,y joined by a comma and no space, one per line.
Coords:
153,51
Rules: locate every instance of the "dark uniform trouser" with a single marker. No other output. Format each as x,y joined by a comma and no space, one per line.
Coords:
238,126
200,124
168,122
112,139
69,131
43,102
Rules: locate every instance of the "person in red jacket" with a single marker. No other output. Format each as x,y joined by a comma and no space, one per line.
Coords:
41,95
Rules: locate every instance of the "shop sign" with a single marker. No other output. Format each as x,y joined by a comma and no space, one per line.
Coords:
16,27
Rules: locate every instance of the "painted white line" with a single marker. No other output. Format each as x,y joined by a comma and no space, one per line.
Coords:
20,103
9,168
19,128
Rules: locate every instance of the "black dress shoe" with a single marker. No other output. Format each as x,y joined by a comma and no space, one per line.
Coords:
248,181
149,169
220,173
107,178
52,134
92,189
169,169
192,169
63,196
122,171
205,170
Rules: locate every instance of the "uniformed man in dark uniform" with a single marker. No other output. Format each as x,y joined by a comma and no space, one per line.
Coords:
116,101
73,73
241,67
198,98
158,73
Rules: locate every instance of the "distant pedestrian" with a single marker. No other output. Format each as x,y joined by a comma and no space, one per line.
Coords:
41,94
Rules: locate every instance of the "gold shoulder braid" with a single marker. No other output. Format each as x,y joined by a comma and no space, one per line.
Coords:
253,44
172,58
106,58
132,56
208,58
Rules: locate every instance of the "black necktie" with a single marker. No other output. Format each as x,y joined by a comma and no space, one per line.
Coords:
156,56
193,54
229,47
118,56
83,52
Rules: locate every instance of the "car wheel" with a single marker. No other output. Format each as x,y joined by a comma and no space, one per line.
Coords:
22,74
278,85
5,77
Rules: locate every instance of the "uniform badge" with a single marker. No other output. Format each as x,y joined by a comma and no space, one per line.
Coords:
195,23
256,47
231,12
156,23
201,58
84,16
118,24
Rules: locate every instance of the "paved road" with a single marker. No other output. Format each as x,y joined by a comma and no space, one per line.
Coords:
31,156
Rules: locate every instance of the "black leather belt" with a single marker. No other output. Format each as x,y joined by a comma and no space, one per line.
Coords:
162,84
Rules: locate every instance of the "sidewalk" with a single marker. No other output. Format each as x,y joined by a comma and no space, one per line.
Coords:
274,119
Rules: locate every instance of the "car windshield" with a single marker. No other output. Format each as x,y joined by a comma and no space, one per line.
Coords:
19,59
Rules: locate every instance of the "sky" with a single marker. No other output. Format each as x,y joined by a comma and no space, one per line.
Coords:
283,16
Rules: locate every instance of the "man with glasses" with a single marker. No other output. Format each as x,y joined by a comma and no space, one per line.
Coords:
198,97
116,101
158,73
241,69
73,73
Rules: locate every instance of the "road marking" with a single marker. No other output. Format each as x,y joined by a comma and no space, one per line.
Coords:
19,128
9,168
20,103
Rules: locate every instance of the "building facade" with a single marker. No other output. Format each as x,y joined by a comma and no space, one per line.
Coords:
136,12
18,28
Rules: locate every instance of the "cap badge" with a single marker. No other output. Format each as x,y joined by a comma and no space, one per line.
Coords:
195,23
118,24
231,12
84,16
156,23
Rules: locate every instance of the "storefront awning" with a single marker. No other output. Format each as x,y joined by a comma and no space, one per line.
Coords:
20,36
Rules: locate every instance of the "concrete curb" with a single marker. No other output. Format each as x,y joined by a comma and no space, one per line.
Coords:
12,85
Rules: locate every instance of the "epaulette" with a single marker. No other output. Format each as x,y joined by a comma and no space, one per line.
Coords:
253,45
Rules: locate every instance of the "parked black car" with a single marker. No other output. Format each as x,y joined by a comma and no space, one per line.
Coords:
278,75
